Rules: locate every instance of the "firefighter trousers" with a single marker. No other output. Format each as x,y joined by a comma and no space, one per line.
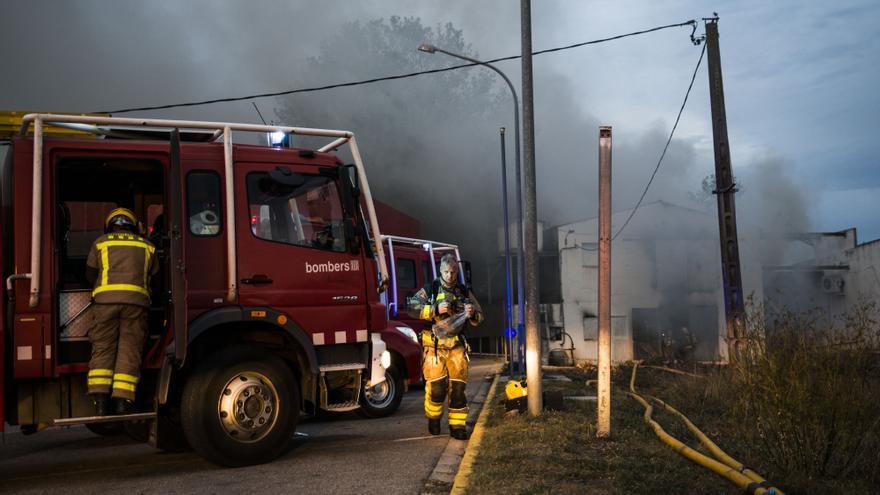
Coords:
117,339
446,373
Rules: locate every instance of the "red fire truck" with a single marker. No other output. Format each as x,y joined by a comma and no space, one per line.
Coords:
411,269
267,305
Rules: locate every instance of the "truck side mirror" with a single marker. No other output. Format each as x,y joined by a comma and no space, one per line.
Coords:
350,191
353,235
466,270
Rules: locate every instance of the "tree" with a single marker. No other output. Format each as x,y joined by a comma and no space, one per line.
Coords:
430,143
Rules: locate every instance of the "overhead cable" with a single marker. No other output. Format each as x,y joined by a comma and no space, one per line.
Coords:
691,23
665,148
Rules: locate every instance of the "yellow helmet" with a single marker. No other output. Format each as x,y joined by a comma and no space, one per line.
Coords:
122,217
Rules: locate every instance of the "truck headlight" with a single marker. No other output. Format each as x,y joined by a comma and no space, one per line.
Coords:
409,332
386,359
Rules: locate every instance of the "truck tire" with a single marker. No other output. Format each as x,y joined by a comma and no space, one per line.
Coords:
240,407
139,431
105,429
384,399
172,437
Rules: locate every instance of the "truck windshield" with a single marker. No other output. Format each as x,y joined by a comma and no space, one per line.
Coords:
306,215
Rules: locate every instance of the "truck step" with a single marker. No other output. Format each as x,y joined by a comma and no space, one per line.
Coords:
103,419
342,406
341,367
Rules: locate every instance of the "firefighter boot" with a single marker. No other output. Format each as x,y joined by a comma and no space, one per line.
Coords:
434,426
102,404
459,433
121,406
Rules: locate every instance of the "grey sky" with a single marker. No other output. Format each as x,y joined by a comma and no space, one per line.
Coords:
799,78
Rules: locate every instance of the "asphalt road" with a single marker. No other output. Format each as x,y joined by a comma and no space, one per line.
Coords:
340,455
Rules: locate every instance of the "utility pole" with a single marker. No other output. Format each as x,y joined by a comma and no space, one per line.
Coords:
603,422
533,338
725,188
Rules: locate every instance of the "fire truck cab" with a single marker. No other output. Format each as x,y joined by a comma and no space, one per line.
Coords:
413,264
411,267
267,305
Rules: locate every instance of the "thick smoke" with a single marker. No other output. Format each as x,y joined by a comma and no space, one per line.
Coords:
432,147
431,143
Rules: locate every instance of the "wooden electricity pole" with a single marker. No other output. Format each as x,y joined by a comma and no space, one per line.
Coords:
603,422
725,188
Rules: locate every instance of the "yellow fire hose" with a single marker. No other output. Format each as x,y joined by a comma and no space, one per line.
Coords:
728,467
673,370
710,445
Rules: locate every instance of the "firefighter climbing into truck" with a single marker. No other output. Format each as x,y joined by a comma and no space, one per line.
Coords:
256,316
120,266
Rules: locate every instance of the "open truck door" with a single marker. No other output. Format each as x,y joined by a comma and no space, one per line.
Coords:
5,178
176,266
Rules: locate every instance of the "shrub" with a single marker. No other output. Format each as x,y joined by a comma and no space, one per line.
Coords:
807,394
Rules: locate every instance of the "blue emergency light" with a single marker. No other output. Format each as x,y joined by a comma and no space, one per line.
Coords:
278,139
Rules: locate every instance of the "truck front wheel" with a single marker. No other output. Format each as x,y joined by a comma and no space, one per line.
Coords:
240,407
383,399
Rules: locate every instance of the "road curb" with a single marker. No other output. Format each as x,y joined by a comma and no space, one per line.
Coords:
462,478
445,471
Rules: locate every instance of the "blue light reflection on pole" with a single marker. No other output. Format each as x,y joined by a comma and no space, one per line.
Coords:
520,238
508,301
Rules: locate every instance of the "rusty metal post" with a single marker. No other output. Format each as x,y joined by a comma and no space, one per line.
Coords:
603,423
725,188
533,337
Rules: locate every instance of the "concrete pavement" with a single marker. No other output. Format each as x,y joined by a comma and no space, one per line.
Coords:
341,454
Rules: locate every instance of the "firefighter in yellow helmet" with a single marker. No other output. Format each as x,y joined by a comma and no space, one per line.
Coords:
120,265
449,306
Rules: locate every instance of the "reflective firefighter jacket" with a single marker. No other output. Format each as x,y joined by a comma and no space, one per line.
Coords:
125,262
435,293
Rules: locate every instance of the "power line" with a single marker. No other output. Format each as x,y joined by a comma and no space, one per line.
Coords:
691,23
665,148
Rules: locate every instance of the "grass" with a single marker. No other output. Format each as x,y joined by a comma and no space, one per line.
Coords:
558,452
800,406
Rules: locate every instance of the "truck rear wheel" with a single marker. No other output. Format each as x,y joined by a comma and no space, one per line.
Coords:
240,407
383,399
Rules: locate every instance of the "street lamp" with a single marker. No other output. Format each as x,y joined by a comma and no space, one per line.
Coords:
520,263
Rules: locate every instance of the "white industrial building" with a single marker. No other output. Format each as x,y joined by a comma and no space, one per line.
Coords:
830,270
666,274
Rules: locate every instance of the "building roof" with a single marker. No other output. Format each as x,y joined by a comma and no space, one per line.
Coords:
658,202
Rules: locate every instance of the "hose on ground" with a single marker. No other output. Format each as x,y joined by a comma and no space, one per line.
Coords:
710,445
705,440
673,370
726,466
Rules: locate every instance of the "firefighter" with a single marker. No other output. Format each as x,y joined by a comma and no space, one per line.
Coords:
445,359
687,344
120,265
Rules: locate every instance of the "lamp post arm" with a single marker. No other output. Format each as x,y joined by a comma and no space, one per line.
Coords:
484,64
521,235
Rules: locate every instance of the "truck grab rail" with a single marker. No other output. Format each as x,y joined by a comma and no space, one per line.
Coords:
220,129
430,246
